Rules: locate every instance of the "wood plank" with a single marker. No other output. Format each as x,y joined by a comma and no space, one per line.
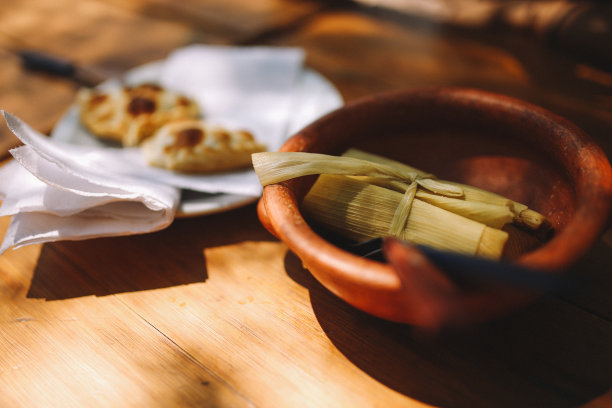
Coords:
37,99
226,298
95,34
243,307
89,350
363,54
235,20
95,352
470,370
279,357
16,268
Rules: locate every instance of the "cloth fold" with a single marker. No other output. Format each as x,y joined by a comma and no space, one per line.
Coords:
71,187
56,191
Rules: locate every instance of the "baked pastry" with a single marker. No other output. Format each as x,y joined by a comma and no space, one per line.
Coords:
196,147
130,114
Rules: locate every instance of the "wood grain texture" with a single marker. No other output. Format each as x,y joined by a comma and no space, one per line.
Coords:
94,34
362,54
37,99
97,352
214,311
89,350
234,20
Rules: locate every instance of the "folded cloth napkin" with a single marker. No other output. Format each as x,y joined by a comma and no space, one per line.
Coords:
60,189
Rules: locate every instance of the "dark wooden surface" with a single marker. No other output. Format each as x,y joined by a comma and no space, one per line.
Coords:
214,311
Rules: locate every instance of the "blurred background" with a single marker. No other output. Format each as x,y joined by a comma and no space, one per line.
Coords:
554,53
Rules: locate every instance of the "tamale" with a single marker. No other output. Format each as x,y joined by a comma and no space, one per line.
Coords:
362,196
361,211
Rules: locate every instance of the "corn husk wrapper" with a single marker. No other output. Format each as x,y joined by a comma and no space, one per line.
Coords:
476,204
362,196
360,211
521,214
362,199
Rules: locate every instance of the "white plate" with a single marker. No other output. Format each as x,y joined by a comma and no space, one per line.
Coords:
315,95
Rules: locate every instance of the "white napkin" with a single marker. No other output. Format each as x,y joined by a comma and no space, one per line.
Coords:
72,187
59,191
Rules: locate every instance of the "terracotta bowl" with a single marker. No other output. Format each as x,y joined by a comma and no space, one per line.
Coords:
491,141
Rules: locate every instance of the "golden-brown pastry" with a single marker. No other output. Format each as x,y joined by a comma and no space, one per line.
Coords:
131,114
197,147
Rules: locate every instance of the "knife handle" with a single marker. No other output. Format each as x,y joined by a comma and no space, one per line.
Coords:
38,61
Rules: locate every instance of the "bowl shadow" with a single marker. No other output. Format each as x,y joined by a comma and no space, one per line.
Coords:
549,354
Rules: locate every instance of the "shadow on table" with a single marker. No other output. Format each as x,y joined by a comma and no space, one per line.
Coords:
550,354
171,257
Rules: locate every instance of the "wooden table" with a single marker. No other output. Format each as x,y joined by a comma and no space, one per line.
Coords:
214,311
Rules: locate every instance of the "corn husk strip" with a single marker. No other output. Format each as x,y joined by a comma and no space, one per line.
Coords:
521,213
493,215
346,206
274,167
402,212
